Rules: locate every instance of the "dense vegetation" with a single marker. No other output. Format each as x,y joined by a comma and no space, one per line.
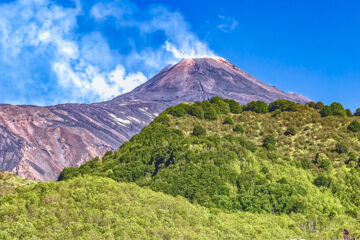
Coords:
284,158
282,170
9,182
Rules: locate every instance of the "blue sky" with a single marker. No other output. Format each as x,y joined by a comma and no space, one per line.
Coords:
84,51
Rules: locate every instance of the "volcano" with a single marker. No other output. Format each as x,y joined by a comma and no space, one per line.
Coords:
38,142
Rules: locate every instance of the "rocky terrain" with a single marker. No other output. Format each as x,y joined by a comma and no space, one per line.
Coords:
38,142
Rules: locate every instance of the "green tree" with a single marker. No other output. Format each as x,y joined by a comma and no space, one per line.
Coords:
337,109
269,142
235,107
341,148
199,131
290,131
238,128
321,181
283,105
348,113
196,111
228,120
220,105
357,112
257,106
354,126
326,111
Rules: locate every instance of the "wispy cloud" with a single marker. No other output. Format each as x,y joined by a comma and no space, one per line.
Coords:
48,56
227,24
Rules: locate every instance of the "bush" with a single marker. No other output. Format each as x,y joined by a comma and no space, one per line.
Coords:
269,142
348,113
196,111
220,105
337,109
321,181
341,148
235,107
357,112
354,126
228,120
178,110
322,161
290,131
277,112
283,105
326,111
199,131
257,106
238,128
209,111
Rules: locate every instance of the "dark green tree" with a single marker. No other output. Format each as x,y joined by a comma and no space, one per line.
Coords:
357,112
321,181
238,128
354,126
257,106
235,107
326,111
269,142
228,120
283,105
348,113
290,131
196,111
220,105
337,109
341,148
199,131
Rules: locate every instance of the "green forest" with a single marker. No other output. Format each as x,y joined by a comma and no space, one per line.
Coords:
205,170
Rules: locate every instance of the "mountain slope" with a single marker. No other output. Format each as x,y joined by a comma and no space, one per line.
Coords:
38,142
99,208
289,161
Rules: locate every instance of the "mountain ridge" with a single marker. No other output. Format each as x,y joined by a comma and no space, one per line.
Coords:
38,142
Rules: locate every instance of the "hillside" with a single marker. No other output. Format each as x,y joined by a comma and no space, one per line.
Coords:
38,142
9,182
284,159
99,208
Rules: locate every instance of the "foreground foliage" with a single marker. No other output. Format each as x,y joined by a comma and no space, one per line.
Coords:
283,159
100,208
9,182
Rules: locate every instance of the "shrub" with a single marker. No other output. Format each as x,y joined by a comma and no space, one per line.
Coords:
326,111
277,112
319,105
354,126
348,113
290,131
337,109
341,148
238,128
178,110
283,105
321,181
228,120
257,106
220,105
235,107
357,112
322,161
199,131
209,111
196,111
269,142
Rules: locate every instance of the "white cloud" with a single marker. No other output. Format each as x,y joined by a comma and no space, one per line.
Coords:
227,24
41,46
